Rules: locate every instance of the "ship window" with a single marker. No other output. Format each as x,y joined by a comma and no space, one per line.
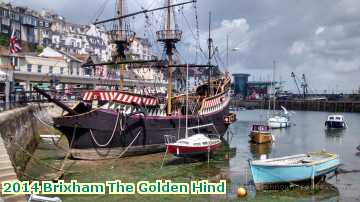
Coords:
183,142
197,144
338,118
331,118
205,143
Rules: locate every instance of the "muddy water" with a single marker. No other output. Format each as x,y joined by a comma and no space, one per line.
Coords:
229,163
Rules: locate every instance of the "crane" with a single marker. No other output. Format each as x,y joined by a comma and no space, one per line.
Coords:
296,82
304,85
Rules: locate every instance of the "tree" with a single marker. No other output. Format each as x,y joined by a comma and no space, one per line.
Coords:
39,48
4,40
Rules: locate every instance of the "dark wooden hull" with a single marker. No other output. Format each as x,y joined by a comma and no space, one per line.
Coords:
146,133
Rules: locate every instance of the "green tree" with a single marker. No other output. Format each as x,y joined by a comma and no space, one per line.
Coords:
39,48
4,40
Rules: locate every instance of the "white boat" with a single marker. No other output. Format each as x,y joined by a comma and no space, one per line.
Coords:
335,121
195,145
280,121
277,120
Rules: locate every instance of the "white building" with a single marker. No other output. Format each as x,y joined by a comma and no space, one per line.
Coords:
140,49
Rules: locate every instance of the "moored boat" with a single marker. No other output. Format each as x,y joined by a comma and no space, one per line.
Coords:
194,146
281,120
300,168
260,134
335,121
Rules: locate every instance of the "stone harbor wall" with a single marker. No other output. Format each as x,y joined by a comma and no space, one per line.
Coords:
18,130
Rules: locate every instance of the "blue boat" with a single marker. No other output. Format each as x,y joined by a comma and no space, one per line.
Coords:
311,167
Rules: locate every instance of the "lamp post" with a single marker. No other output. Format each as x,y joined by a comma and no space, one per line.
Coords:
227,49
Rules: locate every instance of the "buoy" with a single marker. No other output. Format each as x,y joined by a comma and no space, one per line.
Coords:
241,192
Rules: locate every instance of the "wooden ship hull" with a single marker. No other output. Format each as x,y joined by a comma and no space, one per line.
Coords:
131,124
146,133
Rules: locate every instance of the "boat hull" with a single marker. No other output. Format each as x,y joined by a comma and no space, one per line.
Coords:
260,137
265,176
88,133
335,124
274,125
183,151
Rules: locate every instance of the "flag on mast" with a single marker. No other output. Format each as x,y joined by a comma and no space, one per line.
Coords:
14,46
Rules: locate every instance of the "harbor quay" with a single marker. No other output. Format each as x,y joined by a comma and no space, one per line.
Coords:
301,105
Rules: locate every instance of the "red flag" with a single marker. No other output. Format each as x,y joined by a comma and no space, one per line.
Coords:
14,46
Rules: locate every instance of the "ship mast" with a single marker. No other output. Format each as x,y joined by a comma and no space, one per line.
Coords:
210,56
121,36
169,37
120,9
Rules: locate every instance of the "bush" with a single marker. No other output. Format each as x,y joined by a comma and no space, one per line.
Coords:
4,40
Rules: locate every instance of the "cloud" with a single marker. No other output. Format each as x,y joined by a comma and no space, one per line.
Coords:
319,38
319,30
298,48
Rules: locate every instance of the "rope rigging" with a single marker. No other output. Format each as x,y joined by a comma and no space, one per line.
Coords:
113,132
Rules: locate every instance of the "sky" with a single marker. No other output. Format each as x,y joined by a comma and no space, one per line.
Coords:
320,39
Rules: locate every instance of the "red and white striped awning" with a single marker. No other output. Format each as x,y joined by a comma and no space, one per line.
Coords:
120,97
214,102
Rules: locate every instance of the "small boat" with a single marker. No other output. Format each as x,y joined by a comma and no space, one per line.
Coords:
194,146
335,121
280,121
261,134
198,144
294,169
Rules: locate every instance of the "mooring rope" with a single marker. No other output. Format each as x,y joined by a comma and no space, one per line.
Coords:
43,122
112,135
131,143
38,160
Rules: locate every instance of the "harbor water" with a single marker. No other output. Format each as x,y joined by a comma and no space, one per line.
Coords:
306,134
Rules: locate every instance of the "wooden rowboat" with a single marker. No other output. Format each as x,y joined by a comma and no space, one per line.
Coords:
269,173
261,134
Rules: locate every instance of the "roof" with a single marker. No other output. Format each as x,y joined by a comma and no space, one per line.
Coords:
240,74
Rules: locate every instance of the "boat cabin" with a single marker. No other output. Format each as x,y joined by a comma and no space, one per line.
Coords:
336,118
196,141
260,128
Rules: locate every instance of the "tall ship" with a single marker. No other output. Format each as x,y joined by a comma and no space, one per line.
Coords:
115,123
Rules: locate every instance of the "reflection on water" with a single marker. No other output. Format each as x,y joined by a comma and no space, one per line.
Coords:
324,192
260,149
306,135
334,135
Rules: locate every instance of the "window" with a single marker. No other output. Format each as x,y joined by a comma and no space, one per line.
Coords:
61,70
39,68
29,67
51,69
77,70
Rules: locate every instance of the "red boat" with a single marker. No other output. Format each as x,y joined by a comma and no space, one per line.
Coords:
196,145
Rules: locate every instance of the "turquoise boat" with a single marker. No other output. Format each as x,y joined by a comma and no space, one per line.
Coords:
311,167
